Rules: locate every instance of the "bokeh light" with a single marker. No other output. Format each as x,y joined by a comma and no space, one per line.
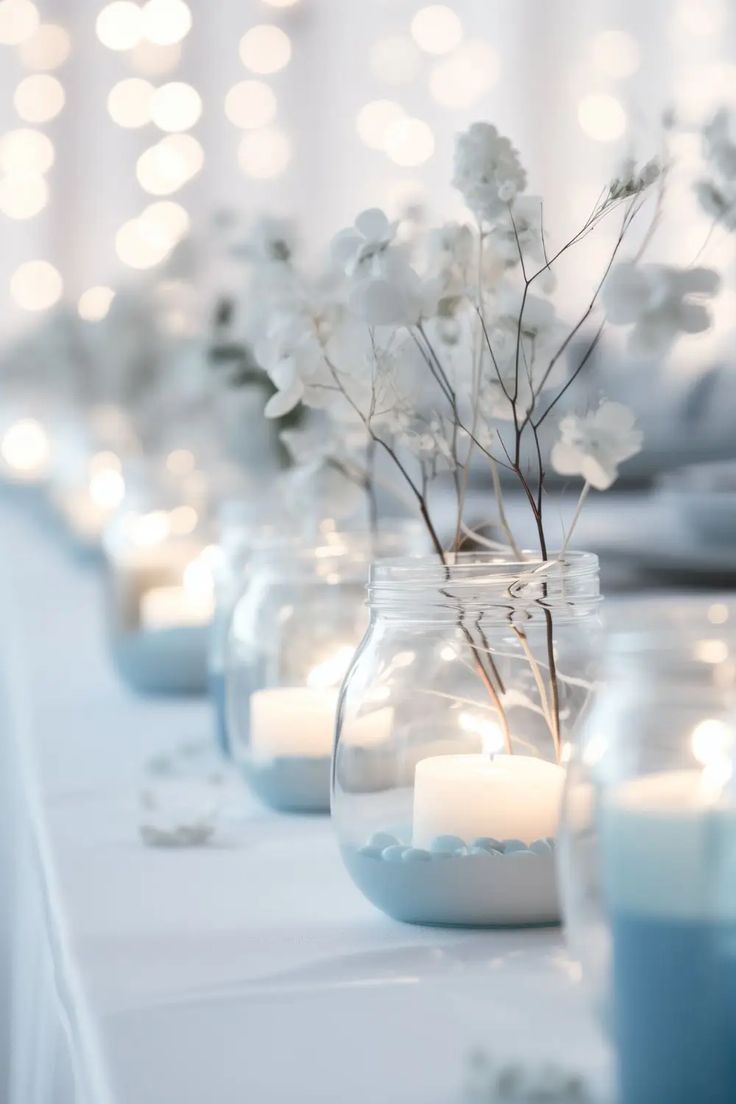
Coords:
95,302
167,166
409,142
616,53
463,79
19,20
153,60
25,446
119,25
602,117
250,104
265,49
437,29
175,106
135,248
395,59
698,17
129,102
265,153
36,285
281,3
165,22
374,119
23,195
39,98
26,151
180,461
48,48
164,224
183,519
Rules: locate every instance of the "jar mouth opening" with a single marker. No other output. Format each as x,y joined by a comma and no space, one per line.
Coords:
490,585
478,567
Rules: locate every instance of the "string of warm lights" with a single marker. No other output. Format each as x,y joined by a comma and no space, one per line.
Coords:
420,47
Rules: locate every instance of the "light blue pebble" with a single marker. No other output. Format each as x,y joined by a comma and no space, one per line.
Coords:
394,853
370,852
541,847
487,851
486,843
382,840
416,854
448,845
551,841
509,846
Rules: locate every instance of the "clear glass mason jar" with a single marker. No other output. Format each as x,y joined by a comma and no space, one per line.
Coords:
244,529
452,721
292,635
647,860
159,572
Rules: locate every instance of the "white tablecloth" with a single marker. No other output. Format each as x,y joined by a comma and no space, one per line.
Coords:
246,973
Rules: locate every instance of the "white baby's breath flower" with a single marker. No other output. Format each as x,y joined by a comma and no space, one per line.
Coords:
396,296
363,245
488,171
660,302
270,241
632,180
593,445
519,228
717,192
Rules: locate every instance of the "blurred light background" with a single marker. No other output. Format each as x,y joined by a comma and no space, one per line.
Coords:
129,125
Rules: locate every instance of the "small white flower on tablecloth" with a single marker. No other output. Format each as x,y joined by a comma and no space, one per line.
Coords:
659,302
593,445
488,171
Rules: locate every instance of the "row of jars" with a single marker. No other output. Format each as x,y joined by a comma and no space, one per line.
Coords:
440,722
357,671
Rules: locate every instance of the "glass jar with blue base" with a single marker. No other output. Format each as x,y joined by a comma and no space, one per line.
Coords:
452,724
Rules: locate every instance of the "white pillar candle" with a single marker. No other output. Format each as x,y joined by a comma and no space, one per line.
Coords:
300,721
170,607
503,796
292,721
656,834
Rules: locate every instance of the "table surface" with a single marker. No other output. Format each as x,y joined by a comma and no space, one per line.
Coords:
250,970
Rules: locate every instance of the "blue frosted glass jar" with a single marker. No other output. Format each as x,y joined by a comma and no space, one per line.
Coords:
648,861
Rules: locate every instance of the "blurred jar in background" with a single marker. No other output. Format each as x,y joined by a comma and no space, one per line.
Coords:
160,560
648,860
293,633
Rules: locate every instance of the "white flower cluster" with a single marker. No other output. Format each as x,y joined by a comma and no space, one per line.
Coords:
593,445
659,302
444,344
488,171
632,181
717,192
